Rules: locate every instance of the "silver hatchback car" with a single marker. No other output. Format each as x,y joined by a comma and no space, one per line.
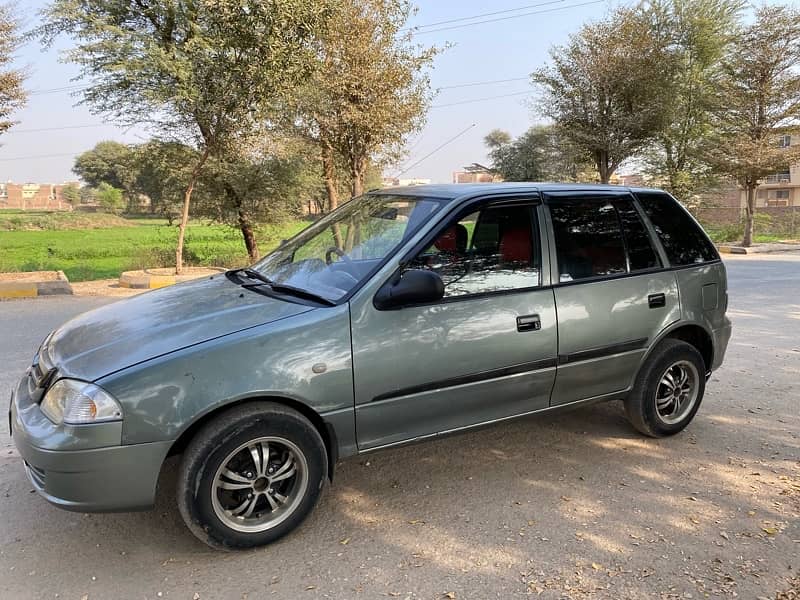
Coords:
405,314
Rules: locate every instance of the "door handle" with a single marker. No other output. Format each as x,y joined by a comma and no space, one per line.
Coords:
529,323
656,300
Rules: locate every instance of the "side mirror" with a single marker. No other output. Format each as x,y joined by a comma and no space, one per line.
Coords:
415,286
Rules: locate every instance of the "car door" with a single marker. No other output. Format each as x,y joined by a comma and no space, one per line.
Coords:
612,293
486,351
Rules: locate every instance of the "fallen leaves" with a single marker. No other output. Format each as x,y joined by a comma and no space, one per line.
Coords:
769,530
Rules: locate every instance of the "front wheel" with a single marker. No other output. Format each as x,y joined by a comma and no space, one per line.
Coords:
251,476
668,389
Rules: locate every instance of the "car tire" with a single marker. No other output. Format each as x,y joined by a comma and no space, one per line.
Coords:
668,389
251,475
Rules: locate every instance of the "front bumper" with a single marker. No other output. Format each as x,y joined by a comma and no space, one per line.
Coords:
69,473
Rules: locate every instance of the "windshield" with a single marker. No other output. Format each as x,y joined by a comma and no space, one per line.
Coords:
339,251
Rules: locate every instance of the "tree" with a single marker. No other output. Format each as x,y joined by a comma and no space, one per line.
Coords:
12,94
758,100
163,170
108,162
71,193
540,154
109,197
202,72
265,187
368,92
701,32
606,89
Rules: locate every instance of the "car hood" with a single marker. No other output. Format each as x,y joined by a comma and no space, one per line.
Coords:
155,323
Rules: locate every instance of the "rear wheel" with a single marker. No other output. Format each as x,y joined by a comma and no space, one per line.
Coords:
668,390
251,475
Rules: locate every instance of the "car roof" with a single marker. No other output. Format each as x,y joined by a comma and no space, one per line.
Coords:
468,190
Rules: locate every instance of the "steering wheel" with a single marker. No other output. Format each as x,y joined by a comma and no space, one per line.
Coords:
338,252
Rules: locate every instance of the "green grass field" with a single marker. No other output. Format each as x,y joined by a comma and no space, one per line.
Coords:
98,246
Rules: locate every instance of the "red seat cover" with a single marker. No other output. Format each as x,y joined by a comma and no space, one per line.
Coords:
453,240
447,242
516,245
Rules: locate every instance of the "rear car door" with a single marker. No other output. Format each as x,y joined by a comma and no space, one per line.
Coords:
612,291
486,351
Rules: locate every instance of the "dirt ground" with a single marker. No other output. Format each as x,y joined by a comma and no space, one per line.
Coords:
109,288
569,506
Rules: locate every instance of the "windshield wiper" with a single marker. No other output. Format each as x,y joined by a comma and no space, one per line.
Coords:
252,274
296,291
280,287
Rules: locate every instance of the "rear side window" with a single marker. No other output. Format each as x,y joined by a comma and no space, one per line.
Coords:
588,239
641,254
683,240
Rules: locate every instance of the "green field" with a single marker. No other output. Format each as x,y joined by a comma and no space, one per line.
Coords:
98,246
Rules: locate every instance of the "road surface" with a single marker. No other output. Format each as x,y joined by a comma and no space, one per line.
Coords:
571,506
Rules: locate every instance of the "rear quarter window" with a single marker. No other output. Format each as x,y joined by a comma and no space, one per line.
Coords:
683,239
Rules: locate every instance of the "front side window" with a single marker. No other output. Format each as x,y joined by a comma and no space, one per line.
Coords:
338,252
493,249
682,238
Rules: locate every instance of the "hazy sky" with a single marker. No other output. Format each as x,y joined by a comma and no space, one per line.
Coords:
507,48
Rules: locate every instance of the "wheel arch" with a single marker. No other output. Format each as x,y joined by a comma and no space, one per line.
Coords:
325,429
692,333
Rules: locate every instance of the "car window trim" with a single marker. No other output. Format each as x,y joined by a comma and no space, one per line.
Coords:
558,197
531,199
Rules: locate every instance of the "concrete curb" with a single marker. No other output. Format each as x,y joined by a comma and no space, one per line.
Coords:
759,249
138,280
33,289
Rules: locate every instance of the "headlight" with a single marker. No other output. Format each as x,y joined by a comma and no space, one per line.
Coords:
77,402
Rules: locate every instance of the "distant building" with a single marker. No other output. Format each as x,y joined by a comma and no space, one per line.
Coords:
631,180
395,182
781,188
476,173
34,196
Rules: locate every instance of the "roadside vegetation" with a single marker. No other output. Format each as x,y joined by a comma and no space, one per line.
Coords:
100,246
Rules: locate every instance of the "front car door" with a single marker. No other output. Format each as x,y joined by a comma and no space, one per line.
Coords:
486,351
612,292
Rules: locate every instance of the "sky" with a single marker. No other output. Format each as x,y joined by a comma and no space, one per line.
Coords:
509,45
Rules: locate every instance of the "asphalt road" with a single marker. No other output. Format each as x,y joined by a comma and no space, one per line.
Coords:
570,506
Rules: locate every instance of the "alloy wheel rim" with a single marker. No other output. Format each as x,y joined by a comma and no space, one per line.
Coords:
259,484
677,391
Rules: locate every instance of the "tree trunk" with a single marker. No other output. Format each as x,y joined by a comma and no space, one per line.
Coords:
329,175
357,184
601,160
187,200
748,215
246,227
244,222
